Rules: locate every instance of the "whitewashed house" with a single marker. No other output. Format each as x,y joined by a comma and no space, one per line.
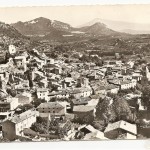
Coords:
120,129
42,93
12,49
20,62
14,127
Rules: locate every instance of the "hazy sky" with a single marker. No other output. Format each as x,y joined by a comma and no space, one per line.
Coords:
77,15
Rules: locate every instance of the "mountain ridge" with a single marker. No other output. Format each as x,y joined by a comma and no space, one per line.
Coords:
53,29
121,26
40,26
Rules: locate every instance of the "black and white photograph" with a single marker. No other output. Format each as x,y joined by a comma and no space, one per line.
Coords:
74,73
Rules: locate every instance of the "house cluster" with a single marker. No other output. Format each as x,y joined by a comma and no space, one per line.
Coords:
68,92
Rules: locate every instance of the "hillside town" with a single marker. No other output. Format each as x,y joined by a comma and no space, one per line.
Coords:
47,99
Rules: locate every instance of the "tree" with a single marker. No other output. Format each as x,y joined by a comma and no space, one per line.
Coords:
37,102
66,55
110,112
84,58
66,60
146,95
42,121
97,60
122,110
28,73
105,111
54,55
12,92
39,127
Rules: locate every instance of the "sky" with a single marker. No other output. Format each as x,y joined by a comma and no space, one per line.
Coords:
78,15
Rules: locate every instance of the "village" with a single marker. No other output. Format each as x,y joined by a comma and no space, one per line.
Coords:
44,99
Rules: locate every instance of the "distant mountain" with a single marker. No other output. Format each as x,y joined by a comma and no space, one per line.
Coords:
120,26
135,31
46,29
98,29
40,27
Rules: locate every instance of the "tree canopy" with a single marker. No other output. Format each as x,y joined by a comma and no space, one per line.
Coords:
146,95
114,111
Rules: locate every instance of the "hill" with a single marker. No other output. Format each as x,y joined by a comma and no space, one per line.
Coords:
40,27
98,29
121,26
53,30
9,35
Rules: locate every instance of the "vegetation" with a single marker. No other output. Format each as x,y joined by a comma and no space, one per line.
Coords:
110,112
122,110
40,128
146,96
37,102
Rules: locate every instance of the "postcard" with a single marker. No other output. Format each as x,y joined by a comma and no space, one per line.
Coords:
74,73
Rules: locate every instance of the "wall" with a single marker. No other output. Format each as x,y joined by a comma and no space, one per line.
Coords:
8,129
14,104
55,111
27,123
43,95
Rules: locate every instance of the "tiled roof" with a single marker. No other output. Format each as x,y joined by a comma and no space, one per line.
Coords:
23,116
79,90
122,125
80,101
83,108
42,90
51,105
58,93
22,98
95,136
94,96
111,86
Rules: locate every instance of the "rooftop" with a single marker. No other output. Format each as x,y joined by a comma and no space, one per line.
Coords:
98,135
83,108
80,101
51,105
132,128
42,90
25,115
